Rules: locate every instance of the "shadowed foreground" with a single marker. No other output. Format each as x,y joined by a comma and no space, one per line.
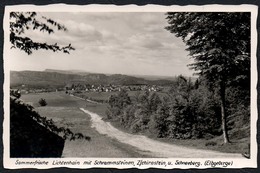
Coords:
28,138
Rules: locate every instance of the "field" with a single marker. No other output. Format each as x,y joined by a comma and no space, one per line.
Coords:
236,146
104,96
63,109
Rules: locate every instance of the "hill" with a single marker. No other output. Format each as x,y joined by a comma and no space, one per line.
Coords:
57,78
79,72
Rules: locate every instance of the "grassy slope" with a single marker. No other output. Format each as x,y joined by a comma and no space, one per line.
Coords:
64,110
237,145
105,95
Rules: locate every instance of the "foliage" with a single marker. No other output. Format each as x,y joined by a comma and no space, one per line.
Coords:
117,103
189,110
159,123
220,46
21,114
211,143
238,107
20,109
15,93
42,102
219,42
21,21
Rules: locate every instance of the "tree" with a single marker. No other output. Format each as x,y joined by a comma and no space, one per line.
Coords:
123,99
23,115
21,21
160,119
220,46
42,102
117,104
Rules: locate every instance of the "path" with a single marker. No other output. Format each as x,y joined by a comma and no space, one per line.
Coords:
152,147
91,101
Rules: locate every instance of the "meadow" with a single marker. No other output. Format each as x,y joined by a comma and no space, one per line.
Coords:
239,142
64,110
104,96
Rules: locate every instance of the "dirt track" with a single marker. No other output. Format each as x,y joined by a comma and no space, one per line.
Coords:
152,147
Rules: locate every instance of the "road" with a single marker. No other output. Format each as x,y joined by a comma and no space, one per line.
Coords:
150,147
91,101
106,140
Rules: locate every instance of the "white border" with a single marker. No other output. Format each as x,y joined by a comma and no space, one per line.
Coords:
237,163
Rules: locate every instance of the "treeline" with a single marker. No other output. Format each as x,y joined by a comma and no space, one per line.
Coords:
189,110
83,96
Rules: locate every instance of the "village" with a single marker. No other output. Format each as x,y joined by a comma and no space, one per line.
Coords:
79,87
111,88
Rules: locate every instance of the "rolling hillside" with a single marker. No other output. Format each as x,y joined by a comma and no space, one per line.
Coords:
52,78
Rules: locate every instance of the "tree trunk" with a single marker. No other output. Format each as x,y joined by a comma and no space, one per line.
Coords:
223,112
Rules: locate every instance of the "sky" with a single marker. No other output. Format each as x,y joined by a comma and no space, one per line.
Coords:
133,43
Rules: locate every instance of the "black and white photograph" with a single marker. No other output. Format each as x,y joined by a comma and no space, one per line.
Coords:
133,87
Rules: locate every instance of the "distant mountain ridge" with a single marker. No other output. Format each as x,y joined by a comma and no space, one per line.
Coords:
80,72
60,78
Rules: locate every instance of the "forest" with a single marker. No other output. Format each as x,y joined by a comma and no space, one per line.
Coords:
219,101
189,110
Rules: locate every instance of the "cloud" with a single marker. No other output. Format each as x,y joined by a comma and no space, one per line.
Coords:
152,44
153,28
77,34
89,32
143,41
116,42
150,18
